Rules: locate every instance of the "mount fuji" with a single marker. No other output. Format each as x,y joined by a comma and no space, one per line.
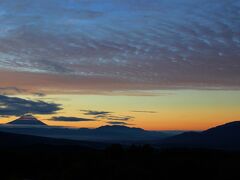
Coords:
27,120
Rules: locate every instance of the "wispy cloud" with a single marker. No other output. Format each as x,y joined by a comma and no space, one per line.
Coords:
11,90
39,94
118,123
118,118
154,45
14,90
106,115
145,112
95,113
70,119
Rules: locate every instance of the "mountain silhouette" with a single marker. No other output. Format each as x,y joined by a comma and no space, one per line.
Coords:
225,136
9,140
27,120
112,134
118,128
124,133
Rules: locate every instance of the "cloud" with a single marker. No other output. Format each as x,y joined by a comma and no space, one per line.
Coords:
14,106
144,111
70,119
156,44
95,113
106,115
118,123
11,90
39,94
119,118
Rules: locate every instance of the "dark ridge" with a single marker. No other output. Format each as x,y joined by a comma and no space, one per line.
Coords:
225,136
118,128
11,140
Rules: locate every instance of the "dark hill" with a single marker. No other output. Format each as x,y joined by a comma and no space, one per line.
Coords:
118,133
113,134
225,136
10,140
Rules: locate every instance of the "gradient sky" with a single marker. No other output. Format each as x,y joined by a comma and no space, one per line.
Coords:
155,64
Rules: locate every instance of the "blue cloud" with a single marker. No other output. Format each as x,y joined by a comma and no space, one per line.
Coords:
163,44
13,106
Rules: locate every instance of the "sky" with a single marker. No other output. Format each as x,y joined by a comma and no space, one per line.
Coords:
155,64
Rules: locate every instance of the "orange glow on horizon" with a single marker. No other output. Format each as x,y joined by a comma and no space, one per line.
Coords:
178,110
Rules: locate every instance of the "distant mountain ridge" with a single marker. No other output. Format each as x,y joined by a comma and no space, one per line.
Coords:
225,136
114,133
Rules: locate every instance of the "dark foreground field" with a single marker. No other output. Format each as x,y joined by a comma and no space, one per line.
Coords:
115,162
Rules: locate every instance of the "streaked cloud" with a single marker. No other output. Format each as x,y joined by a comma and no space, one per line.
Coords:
70,119
106,115
122,44
145,111
118,123
117,118
39,94
95,113
11,90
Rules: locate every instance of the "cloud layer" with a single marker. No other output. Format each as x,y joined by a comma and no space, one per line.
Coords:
70,119
154,43
95,113
13,106
106,115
